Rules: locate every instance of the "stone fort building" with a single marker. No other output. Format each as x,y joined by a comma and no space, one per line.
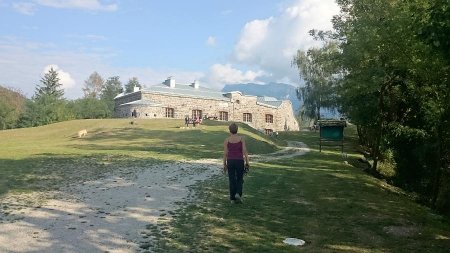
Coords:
178,101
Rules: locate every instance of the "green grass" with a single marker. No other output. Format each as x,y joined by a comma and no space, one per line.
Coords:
332,205
43,158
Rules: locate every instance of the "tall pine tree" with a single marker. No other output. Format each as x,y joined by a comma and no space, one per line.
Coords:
50,86
47,105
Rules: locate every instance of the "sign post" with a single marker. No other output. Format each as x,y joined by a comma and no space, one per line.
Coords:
332,133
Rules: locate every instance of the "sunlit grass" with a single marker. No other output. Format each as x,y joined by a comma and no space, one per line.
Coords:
333,206
56,151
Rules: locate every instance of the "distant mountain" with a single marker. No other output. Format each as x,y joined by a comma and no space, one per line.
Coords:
277,90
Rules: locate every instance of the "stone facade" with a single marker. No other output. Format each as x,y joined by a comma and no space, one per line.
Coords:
171,100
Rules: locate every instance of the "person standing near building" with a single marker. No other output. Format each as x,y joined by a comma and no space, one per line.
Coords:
186,121
235,152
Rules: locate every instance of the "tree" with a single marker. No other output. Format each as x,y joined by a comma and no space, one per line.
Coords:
50,86
43,111
88,108
93,86
394,55
316,68
5,114
133,82
12,103
112,88
47,104
432,19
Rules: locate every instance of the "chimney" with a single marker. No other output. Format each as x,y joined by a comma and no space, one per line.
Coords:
135,88
195,84
170,82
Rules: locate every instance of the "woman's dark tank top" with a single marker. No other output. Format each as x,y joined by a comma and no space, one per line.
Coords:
235,151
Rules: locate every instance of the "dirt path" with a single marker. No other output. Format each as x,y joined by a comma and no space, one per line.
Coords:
294,148
107,215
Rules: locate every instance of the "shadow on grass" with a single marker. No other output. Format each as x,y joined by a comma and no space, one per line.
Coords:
47,171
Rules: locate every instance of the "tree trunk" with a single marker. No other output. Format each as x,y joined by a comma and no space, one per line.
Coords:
441,155
379,129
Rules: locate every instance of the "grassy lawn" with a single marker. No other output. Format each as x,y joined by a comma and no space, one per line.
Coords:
42,158
332,205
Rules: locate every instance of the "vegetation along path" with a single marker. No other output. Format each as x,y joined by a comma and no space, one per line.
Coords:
153,187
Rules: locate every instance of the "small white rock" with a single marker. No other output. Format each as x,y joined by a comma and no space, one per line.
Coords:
294,241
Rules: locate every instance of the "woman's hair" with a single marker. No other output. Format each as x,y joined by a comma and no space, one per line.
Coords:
233,128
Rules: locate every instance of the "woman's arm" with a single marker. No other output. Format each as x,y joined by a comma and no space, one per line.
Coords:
244,150
225,154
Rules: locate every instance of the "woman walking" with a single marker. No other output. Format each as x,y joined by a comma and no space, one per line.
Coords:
234,154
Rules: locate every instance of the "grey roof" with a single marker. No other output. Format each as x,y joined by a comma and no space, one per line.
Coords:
142,102
119,95
269,101
187,90
200,92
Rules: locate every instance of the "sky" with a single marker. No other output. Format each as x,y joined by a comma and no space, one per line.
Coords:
215,42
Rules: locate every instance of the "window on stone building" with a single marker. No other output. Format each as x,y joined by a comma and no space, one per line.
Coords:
223,116
268,131
269,118
170,112
247,117
196,114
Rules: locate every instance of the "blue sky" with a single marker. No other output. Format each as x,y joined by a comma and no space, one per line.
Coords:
217,42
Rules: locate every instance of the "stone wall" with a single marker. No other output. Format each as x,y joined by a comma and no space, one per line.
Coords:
142,111
235,104
282,115
183,106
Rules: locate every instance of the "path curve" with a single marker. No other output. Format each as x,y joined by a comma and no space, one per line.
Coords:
294,148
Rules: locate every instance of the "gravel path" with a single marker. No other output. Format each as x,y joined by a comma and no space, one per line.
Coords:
106,215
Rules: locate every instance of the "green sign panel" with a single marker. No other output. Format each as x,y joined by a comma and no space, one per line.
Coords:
334,133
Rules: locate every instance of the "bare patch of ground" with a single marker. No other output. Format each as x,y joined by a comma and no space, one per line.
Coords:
402,231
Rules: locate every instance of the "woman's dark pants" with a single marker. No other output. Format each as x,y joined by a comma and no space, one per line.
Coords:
235,177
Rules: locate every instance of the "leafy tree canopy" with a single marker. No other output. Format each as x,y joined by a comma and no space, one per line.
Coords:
93,86
133,82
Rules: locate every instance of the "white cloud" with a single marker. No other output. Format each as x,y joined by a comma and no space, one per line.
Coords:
87,37
211,41
220,74
91,5
24,8
64,77
252,35
29,8
270,44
